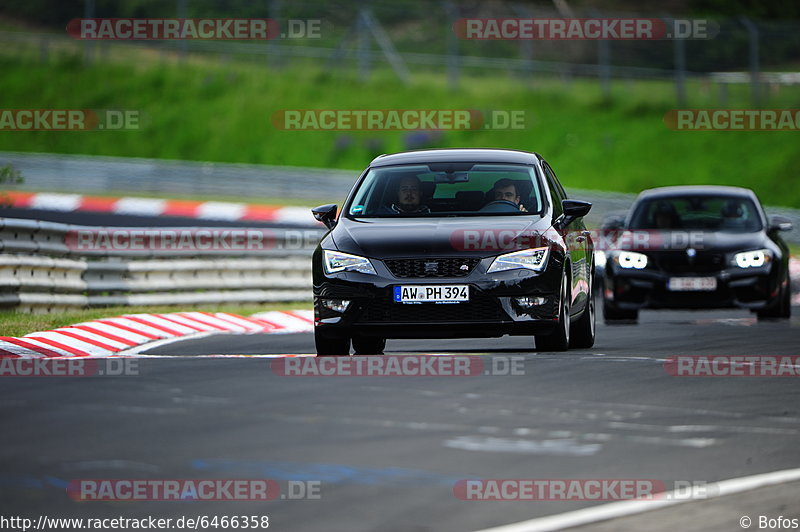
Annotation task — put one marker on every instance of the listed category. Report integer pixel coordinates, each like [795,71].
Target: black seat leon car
[693,247]
[454,243]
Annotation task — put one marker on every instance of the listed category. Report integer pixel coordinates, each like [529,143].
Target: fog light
[529,301]
[336,305]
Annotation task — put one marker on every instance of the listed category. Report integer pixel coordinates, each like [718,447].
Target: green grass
[19,324]
[202,109]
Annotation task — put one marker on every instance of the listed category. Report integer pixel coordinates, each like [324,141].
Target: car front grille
[431,268]
[480,308]
[680,262]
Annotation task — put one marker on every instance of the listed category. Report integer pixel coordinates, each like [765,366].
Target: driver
[408,197]
[505,189]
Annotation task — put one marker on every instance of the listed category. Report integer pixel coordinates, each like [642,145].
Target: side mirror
[326,214]
[573,209]
[780,223]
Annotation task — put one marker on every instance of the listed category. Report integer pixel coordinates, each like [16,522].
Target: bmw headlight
[631,259]
[336,261]
[531,259]
[752,259]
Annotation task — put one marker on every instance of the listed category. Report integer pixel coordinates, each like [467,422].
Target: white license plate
[692,284]
[434,293]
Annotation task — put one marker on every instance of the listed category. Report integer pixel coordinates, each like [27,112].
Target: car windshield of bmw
[447,190]
[729,214]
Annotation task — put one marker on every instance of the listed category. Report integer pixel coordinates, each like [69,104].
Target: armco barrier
[41,272]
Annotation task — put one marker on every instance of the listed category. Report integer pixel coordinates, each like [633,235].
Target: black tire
[781,309]
[612,314]
[581,333]
[331,346]
[368,346]
[558,340]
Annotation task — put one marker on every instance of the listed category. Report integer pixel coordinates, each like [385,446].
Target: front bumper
[492,311]
[630,289]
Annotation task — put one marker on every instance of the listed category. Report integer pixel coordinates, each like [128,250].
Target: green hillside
[203,109]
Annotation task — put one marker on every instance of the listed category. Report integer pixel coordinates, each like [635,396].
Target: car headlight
[531,259]
[752,259]
[631,259]
[336,261]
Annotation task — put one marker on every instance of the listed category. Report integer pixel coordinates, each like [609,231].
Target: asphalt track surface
[387,451]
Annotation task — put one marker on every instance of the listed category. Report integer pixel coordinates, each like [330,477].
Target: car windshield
[448,189]
[706,213]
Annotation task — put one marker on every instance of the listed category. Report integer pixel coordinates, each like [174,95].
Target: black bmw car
[454,243]
[698,247]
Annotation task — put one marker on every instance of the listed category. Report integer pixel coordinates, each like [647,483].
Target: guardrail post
[680,71]
[274,43]
[755,88]
[88,46]
[451,15]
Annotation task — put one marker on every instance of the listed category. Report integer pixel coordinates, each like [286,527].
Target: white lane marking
[44,345]
[110,328]
[140,206]
[56,202]
[618,509]
[560,447]
[281,319]
[79,345]
[300,215]
[701,428]
[19,350]
[696,443]
[136,326]
[218,210]
[92,336]
[213,321]
[137,350]
[155,319]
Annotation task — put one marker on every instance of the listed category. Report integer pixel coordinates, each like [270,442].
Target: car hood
[702,241]
[466,236]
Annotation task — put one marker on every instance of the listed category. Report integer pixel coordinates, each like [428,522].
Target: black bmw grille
[479,309]
[421,268]
[680,262]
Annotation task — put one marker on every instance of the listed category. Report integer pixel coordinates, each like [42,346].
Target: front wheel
[558,340]
[582,331]
[781,309]
[331,346]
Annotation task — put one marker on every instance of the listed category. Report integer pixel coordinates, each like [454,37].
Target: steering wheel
[496,205]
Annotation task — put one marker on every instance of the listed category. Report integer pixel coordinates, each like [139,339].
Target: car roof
[478,155]
[696,190]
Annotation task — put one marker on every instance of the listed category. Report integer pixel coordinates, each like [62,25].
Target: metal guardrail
[98,175]
[42,269]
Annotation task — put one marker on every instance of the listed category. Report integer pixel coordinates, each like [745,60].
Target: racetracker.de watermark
[212,29]
[733,119]
[189,240]
[579,489]
[398,366]
[509,239]
[397,119]
[733,366]
[137,489]
[70,119]
[581,29]
[68,367]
